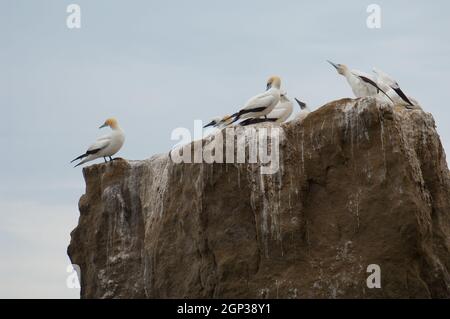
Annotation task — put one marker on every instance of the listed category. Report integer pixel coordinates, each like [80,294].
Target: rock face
[359,183]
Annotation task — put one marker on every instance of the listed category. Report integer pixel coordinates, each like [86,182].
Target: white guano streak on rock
[266,189]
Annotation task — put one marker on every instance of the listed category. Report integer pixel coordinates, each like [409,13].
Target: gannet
[362,84]
[261,104]
[279,114]
[105,146]
[220,122]
[388,83]
[304,111]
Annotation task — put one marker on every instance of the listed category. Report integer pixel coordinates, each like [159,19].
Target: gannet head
[341,68]
[226,120]
[111,122]
[273,81]
[301,104]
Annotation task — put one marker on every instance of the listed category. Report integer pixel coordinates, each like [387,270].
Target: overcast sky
[158,65]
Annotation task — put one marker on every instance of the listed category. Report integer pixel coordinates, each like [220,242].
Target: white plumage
[392,88]
[282,110]
[362,84]
[304,111]
[105,146]
[261,104]
[279,114]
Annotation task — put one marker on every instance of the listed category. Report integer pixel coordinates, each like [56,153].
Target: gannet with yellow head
[279,114]
[261,104]
[105,146]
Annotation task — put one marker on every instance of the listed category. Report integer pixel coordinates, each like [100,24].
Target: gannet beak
[300,103]
[104,125]
[210,124]
[269,85]
[333,64]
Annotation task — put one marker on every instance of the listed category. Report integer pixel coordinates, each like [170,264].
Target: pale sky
[158,65]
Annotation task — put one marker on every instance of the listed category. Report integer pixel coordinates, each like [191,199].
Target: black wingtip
[403,96]
[209,124]
[236,117]
[245,122]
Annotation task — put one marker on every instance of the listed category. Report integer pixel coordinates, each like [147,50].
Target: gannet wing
[386,78]
[367,78]
[251,121]
[276,113]
[100,144]
[258,103]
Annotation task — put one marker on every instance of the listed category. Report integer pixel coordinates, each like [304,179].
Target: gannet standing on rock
[105,146]
[388,83]
[220,122]
[304,111]
[261,104]
[279,114]
[362,84]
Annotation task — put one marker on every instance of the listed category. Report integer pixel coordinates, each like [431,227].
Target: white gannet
[279,114]
[105,146]
[388,83]
[304,111]
[261,104]
[220,122]
[362,84]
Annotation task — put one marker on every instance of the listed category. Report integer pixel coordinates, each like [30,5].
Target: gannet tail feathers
[83,161]
[79,157]
[87,158]
[80,163]
[87,154]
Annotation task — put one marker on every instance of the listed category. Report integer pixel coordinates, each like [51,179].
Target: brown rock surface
[360,183]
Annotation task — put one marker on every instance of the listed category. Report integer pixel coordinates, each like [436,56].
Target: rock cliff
[359,183]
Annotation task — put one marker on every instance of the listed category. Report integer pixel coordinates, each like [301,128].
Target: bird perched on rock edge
[105,146]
